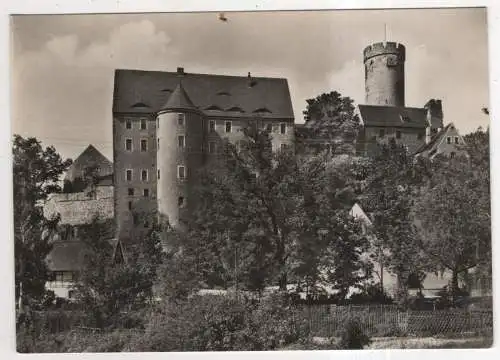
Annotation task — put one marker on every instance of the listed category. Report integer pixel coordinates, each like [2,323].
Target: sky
[63,65]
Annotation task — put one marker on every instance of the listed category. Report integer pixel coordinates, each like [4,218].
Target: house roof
[70,255]
[393,116]
[89,157]
[146,92]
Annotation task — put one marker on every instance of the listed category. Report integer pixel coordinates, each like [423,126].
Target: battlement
[382,48]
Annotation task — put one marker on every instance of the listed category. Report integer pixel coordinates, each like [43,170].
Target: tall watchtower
[385,74]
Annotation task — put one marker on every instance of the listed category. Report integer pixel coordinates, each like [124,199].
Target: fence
[327,321]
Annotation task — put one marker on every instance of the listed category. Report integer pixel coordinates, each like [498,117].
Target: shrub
[353,336]
[220,323]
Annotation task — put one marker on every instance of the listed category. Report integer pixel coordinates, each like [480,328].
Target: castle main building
[166,125]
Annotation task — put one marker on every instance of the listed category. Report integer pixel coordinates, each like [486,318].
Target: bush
[353,336]
[220,323]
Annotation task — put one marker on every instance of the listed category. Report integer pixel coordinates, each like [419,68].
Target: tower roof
[179,100]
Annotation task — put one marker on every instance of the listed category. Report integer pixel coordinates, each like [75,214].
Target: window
[283,128]
[158,146]
[146,224]
[180,119]
[283,147]
[398,134]
[211,126]
[145,192]
[128,174]
[130,191]
[181,141]
[144,145]
[456,139]
[269,128]
[158,122]
[381,133]
[71,294]
[158,174]
[128,124]
[144,175]
[434,131]
[420,136]
[130,205]
[128,144]
[181,172]
[212,147]
[374,138]
[448,139]
[228,126]
[181,202]
[143,124]
[452,154]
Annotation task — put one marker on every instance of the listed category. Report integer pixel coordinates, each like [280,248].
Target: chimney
[180,70]
[251,81]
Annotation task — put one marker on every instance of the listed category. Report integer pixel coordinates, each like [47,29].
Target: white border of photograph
[7,325]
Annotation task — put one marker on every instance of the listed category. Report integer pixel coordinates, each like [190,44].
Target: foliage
[220,323]
[36,173]
[110,285]
[331,117]
[353,336]
[371,294]
[454,217]
[393,185]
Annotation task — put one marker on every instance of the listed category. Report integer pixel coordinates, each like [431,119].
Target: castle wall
[135,160]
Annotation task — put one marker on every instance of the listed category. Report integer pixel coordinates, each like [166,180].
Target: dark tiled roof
[435,140]
[70,255]
[393,116]
[66,256]
[179,100]
[89,157]
[153,89]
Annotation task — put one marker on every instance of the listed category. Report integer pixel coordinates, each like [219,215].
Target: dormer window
[456,140]
[144,124]
[448,140]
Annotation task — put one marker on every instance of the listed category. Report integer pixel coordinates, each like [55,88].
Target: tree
[260,214]
[454,217]
[330,118]
[36,173]
[393,184]
[109,284]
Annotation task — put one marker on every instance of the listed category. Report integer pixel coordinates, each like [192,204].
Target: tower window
[283,128]
[180,119]
[130,191]
[398,134]
[128,175]
[145,192]
[181,141]
[158,174]
[158,122]
[143,124]
[158,146]
[181,172]
[212,147]
[144,175]
[448,140]
[128,124]
[128,144]
[181,201]
[130,205]
[381,133]
[144,145]
[211,126]
[228,126]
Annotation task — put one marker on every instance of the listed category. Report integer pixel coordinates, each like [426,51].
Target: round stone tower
[179,154]
[385,74]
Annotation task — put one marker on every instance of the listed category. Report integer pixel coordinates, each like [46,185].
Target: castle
[166,125]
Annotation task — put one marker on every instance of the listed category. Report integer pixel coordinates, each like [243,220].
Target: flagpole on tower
[385,32]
